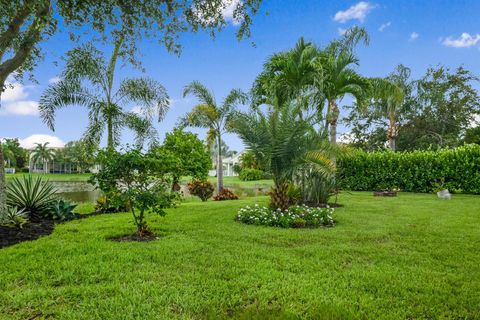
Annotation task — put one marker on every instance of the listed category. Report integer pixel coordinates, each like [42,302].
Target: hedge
[248,174]
[417,171]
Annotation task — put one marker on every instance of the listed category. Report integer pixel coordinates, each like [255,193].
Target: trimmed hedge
[417,171]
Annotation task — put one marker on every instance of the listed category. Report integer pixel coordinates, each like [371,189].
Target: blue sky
[415,33]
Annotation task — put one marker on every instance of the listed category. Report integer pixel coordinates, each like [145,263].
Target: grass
[412,257]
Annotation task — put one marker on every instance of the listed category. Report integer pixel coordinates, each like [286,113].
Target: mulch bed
[134,238]
[30,231]
[385,193]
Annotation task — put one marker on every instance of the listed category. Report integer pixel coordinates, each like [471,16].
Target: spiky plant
[32,194]
[14,218]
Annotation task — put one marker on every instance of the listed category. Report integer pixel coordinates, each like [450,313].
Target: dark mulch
[32,230]
[384,193]
[322,205]
[29,231]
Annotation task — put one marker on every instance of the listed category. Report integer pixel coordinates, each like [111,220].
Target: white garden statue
[444,194]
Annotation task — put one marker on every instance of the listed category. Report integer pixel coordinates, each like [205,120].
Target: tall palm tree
[284,143]
[340,78]
[208,114]
[88,81]
[42,153]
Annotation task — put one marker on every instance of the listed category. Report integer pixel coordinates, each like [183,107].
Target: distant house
[228,165]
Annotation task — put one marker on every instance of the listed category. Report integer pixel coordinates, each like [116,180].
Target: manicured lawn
[411,257]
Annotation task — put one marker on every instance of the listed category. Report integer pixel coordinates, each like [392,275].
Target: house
[228,165]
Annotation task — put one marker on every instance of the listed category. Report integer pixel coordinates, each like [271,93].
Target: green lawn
[410,257]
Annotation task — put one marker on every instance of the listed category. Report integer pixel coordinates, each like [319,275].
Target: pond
[85,192]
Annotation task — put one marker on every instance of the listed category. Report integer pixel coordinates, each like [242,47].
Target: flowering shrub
[293,217]
[225,194]
[201,189]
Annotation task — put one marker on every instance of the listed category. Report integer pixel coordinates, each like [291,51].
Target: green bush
[417,171]
[248,174]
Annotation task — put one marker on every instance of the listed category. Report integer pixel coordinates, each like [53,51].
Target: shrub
[14,218]
[248,174]
[293,217]
[225,194]
[111,204]
[138,179]
[202,189]
[63,210]
[415,171]
[34,195]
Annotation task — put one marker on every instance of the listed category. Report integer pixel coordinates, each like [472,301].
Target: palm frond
[201,92]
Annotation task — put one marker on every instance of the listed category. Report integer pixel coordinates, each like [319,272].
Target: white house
[228,164]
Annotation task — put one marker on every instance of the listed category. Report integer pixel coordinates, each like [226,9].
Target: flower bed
[294,217]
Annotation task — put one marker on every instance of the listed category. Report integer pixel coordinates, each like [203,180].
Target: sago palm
[88,81]
[212,116]
[284,143]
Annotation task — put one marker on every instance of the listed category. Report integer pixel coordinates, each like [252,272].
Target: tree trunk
[333,119]
[3,193]
[279,196]
[219,164]
[392,134]
[109,133]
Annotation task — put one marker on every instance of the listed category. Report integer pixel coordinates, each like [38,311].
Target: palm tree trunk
[219,164]
[109,133]
[3,193]
[333,120]
[392,134]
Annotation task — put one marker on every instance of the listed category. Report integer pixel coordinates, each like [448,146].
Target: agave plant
[32,194]
[14,218]
[63,210]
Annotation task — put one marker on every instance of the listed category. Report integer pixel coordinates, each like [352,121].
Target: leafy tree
[249,161]
[43,153]
[19,154]
[447,105]
[137,179]
[208,114]
[8,154]
[187,154]
[472,135]
[88,81]
[26,24]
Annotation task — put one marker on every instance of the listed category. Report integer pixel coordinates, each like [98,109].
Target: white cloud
[414,36]
[229,8]
[342,31]
[227,11]
[384,26]
[29,142]
[465,41]
[358,11]
[20,108]
[14,101]
[137,110]
[14,91]
[54,80]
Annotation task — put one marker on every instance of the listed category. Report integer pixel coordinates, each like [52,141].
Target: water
[85,192]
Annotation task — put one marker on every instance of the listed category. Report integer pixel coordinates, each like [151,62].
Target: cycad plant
[284,143]
[88,81]
[212,116]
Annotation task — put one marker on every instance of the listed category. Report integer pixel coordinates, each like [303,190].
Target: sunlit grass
[410,257]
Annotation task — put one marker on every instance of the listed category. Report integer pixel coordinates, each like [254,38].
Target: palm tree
[88,81]
[42,153]
[339,77]
[284,143]
[208,114]
[8,154]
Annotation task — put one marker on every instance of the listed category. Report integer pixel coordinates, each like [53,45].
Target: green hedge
[416,171]
[248,174]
